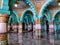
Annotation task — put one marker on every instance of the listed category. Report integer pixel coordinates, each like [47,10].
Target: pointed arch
[14,18]
[44,7]
[56,20]
[26,16]
[31,8]
[34,17]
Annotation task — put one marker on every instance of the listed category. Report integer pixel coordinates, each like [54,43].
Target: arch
[47,14]
[56,20]
[17,16]
[55,13]
[44,7]
[32,8]
[29,2]
[14,18]
[34,17]
[26,15]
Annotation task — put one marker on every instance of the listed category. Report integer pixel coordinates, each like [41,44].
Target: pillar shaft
[14,27]
[51,27]
[20,33]
[9,26]
[20,27]
[3,23]
[38,27]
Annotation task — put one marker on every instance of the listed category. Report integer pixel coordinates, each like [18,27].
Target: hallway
[30,38]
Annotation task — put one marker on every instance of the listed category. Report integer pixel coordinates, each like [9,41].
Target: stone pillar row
[16,27]
[36,27]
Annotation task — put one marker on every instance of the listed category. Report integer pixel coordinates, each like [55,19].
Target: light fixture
[15,5]
[58,4]
[19,4]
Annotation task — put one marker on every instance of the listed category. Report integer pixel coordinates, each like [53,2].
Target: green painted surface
[57,19]
[5,7]
[14,18]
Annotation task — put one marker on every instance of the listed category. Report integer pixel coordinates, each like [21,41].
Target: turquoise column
[4,7]
[4,15]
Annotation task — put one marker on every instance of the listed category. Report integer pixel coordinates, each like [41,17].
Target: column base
[3,39]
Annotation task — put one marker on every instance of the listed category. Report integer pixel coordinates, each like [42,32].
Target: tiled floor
[31,39]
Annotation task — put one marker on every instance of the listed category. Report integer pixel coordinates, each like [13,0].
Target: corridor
[30,38]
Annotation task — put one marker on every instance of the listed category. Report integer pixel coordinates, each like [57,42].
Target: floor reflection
[29,38]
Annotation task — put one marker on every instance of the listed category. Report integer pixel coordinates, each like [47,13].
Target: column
[20,27]
[38,28]
[15,27]
[9,27]
[3,39]
[29,27]
[51,27]
[3,22]
[20,33]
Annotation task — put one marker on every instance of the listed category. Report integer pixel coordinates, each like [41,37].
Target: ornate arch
[44,7]
[55,13]
[14,16]
[24,14]
[32,9]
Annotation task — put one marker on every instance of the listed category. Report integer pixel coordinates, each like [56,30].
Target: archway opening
[44,25]
[27,23]
[57,22]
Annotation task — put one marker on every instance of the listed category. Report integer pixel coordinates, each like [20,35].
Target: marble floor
[30,38]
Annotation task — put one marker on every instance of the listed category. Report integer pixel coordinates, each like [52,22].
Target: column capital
[38,21]
[19,23]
